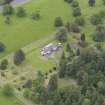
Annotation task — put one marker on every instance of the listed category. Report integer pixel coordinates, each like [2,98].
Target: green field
[23,31]
[8,100]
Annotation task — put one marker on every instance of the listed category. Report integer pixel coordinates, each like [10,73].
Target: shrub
[83,37]
[46,74]
[75,28]
[7,10]
[50,71]
[27,93]
[91,3]
[99,46]
[3,74]
[8,90]
[54,68]
[96,19]
[58,22]
[100,27]
[102,13]
[80,21]
[78,52]
[53,83]
[104,2]
[68,26]
[68,1]
[19,57]
[76,11]
[35,16]
[7,19]
[75,4]
[99,34]
[4,64]
[2,47]
[61,35]
[21,12]
[28,84]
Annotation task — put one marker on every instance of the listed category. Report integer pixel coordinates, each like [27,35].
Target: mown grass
[23,31]
[65,11]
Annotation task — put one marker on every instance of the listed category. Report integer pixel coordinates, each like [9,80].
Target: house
[49,49]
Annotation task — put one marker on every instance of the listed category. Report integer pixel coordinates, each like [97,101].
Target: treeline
[86,68]
[85,65]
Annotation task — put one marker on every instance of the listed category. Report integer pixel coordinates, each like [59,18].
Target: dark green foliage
[96,19]
[99,34]
[68,48]
[36,16]
[80,21]
[19,57]
[75,3]
[7,20]
[62,66]
[68,1]
[61,35]
[102,13]
[4,64]
[85,66]
[2,47]
[21,12]
[28,84]
[91,2]
[75,28]
[78,52]
[83,37]
[88,71]
[99,46]
[103,2]
[82,78]
[8,90]
[7,10]
[58,22]
[69,51]
[68,26]
[53,83]
[76,11]
[87,55]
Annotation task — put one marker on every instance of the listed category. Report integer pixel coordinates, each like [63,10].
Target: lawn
[34,57]
[23,31]
[8,100]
